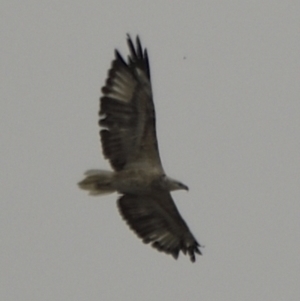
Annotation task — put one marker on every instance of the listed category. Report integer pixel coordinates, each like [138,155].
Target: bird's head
[173,184]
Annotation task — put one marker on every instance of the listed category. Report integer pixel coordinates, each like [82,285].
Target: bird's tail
[97,182]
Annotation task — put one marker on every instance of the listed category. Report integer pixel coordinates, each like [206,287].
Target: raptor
[129,142]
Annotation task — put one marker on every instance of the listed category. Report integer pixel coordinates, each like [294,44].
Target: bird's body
[133,181]
[128,136]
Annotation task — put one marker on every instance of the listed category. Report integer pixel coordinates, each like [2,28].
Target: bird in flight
[129,142]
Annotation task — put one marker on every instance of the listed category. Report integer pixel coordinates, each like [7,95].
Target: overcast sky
[225,76]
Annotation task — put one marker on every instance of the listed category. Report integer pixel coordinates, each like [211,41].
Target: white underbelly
[134,182]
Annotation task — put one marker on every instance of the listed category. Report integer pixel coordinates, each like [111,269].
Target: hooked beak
[184,187]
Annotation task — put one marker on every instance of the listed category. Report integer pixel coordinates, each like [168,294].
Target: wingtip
[198,251]
[128,37]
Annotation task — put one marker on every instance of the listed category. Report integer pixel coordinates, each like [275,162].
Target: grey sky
[225,76]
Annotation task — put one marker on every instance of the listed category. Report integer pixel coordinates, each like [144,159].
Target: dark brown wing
[127,115]
[156,220]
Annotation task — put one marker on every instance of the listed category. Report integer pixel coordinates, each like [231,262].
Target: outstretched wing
[156,220]
[127,115]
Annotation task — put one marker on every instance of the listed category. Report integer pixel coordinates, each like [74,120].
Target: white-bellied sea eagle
[128,137]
